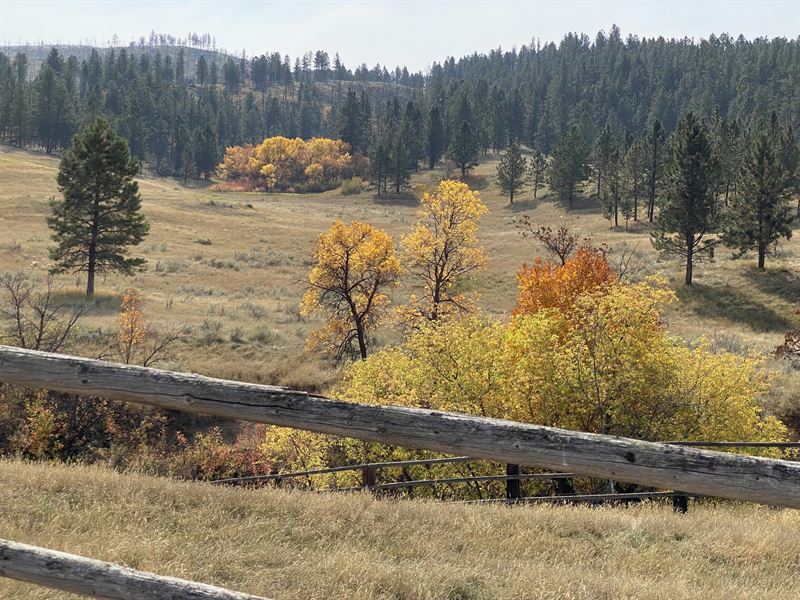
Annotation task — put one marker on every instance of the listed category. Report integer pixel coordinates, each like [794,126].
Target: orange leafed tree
[546,285]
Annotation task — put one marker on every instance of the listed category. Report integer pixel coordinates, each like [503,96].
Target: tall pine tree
[100,215]
[512,172]
[760,214]
[687,216]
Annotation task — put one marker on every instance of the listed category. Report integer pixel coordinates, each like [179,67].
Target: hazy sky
[413,32]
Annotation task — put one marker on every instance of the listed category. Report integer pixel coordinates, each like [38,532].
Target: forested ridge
[180,107]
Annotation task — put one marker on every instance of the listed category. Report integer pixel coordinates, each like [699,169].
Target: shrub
[283,164]
[354,185]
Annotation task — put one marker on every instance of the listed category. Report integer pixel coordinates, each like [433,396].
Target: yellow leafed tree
[354,265]
[280,163]
[442,249]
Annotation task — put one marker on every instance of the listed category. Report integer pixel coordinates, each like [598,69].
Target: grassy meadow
[231,267]
[298,545]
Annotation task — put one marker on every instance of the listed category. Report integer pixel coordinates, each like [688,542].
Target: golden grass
[303,545]
[232,266]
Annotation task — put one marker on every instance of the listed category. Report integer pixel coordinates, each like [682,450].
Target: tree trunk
[689,259]
[362,342]
[762,254]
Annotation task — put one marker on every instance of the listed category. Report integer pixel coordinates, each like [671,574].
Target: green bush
[354,185]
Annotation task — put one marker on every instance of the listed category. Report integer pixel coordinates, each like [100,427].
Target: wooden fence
[565,492]
[98,579]
[689,470]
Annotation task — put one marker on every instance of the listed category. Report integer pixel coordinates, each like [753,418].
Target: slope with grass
[232,266]
[303,545]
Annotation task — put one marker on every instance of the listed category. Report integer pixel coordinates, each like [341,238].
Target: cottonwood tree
[354,266]
[568,166]
[538,169]
[100,216]
[760,214]
[442,249]
[512,172]
[687,215]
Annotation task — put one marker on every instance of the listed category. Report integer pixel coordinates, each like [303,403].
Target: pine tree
[568,166]
[688,195]
[516,117]
[436,139]
[760,214]
[538,171]
[602,152]
[205,151]
[616,189]
[351,123]
[789,154]
[654,142]
[400,163]
[725,146]
[202,70]
[634,165]
[512,172]
[100,214]
[464,145]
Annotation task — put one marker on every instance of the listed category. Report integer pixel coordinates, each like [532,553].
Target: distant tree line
[179,115]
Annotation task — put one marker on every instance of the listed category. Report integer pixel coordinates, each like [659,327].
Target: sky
[412,32]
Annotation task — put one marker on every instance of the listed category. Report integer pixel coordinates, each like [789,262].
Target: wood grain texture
[98,579]
[691,470]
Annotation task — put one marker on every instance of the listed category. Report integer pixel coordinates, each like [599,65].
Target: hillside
[232,266]
[295,545]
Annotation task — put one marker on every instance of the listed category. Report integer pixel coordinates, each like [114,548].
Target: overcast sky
[413,32]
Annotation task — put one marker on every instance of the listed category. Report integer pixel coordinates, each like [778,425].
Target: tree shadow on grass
[727,302]
[101,303]
[782,283]
[401,199]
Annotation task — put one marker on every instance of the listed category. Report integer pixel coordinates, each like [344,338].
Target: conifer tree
[436,138]
[760,214]
[687,215]
[634,165]
[205,151]
[464,146]
[512,172]
[538,171]
[602,152]
[100,215]
[568,166]
[654,142]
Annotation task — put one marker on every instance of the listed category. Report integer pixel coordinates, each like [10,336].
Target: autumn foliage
[442,249]
[547,285]
[284,164]
[354,266]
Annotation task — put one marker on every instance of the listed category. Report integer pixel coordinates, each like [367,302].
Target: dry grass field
[300,545]
[231,266]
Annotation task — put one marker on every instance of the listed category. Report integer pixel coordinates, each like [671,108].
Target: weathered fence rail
[99,579]
[693,471]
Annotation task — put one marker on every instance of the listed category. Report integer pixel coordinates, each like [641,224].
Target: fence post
[680,504]
[513,488]
[564,486]
[368,477]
